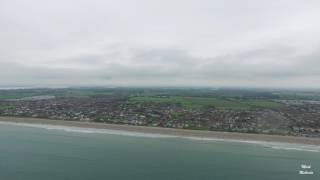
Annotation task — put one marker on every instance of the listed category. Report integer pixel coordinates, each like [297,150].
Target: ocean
[46,152]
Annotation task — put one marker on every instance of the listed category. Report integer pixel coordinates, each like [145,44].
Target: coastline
[169,131]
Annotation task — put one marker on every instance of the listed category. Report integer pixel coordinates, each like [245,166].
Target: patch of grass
[6,107]
[262,103]
[201,102]
[75,93]
[9,96]
[18,94]
[78,93]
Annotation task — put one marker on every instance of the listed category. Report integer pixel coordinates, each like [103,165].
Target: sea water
[44,152]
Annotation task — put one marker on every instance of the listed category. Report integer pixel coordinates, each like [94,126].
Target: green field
[64,93]
[82,93]
[7,97]
[200,102]
[6,107]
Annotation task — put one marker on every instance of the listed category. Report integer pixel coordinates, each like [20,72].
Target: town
[246,111]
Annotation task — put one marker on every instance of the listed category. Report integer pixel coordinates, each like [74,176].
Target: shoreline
[168,131]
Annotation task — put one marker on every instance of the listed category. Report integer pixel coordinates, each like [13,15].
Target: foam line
[272,145]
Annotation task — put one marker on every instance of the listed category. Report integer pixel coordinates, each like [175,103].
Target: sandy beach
[169,131]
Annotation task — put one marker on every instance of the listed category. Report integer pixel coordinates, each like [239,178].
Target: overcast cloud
[256,43]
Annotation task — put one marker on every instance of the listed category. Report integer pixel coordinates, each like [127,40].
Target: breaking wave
[90,130]
[272,145]
[298,148]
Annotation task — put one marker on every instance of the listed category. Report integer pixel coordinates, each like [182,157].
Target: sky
[218,43]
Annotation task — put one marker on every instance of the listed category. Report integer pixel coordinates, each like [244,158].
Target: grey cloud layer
[205,43]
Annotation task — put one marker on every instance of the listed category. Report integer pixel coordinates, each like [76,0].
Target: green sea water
[33,153]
